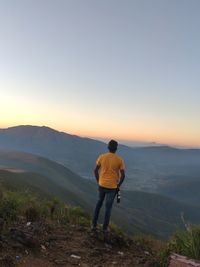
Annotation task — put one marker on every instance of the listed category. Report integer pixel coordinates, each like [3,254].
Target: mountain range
[53,163]
[138,212]
[150,169]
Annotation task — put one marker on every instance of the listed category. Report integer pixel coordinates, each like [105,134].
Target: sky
[123,69]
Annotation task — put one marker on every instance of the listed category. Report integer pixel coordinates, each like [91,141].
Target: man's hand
[96,172]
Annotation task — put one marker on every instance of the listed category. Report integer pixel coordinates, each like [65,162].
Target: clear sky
[127,69]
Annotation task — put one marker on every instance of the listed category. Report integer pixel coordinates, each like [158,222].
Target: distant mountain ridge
[148,168]
[58,146]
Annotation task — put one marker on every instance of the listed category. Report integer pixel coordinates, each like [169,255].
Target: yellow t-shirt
[110,165]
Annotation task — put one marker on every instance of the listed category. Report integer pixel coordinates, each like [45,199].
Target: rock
[120,253]
[75,256]
[83,265]
[60,262]
[108,246]
[43,247]
[142,261]
[7,261]
[182,261]
[1,224]
[16,245]
[24,238]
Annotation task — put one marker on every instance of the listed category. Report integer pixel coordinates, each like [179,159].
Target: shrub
[74,215]
[53,205]
[32,214]
[8,209]
[185,242]
[14,205]
[115,229]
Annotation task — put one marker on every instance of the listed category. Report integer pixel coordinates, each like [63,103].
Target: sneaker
[93,228]
[106,236]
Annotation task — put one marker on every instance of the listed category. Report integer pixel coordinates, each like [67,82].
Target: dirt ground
[46,245]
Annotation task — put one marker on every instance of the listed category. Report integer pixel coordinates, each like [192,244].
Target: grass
[184,242]
[18,205]
[15,205]
[25,206]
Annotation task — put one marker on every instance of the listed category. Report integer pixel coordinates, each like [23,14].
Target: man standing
[110,174]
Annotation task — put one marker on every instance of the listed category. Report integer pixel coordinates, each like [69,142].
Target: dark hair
[112,146]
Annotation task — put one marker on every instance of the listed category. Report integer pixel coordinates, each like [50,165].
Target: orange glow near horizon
[172,138]
[70,120]
[147,139]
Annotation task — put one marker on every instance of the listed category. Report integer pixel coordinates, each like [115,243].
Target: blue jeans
[110,196]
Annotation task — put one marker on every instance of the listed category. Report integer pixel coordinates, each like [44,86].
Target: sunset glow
[102,70]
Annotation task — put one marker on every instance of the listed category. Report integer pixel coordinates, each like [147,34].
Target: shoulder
[102,155]
[121,162]
[119,158]
[100,158]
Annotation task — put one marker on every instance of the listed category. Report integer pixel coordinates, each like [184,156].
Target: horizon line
[126,142]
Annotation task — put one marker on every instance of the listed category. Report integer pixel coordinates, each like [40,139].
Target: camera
[118,196]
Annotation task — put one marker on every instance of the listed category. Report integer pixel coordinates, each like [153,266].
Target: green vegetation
[45,180]
[139,212]
[184,242]
[18,205]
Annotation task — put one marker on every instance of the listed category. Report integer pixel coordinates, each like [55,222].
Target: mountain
[149,169]
[72,151]
[50,173]
[21,180]
[181,188]
[138,211]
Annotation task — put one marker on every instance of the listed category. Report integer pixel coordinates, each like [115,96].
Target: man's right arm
[96,172]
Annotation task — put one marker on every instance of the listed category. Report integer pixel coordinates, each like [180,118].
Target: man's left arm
[122,173]
[122,177]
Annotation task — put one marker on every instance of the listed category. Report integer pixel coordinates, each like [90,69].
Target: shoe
[93,229]
[106,236]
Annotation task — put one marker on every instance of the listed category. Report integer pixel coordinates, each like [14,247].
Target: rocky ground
[42,244]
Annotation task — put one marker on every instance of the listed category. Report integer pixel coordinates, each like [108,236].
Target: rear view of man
[110,174]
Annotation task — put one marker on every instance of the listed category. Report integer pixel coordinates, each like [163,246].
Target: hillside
[52,172]
[148,169]
[40,185]
[31,235]
[57,146]
[155,214]
[138,211]
[181,188]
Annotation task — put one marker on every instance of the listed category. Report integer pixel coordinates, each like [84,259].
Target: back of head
[112,146]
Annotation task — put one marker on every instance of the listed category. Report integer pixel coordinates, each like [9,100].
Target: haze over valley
[159,186]
[148,168]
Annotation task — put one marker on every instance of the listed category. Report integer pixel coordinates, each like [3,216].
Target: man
[110,174]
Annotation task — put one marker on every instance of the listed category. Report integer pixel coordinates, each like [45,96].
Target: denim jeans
[109,194]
